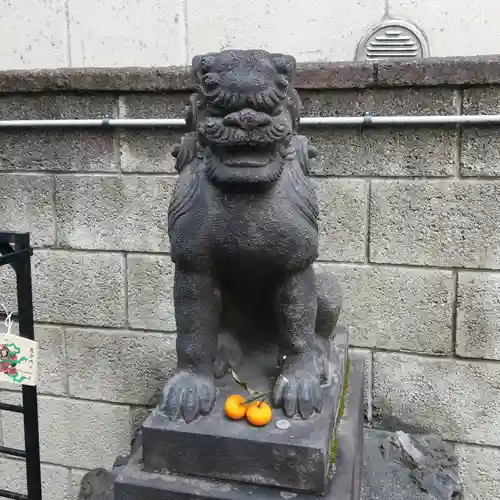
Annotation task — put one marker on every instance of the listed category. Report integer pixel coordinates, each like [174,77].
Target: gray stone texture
[480,146]
[76,477]
[437,223]
[26,205]
[134,482]
[439,71]
[118,366]
[457,399]
[429,72]
[366,355]
[397,308]
[480,471]
[56,483]
[343,219]
[382,151]
[82,434]
[478,315]
[113,212]
[79,288]
[7,290]
[58,149]
[381,102]
[73,287]
[295,458]
[150,150]
[150,292]
[52,369]
[384,479]
[97,484]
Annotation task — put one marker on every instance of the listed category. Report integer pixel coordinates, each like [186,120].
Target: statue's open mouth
[249,156]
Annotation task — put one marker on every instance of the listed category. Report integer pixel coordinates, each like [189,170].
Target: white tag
[18,360]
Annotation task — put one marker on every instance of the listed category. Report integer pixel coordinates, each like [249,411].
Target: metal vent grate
[392,40]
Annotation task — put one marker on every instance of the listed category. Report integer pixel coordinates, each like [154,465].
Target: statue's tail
[305,152]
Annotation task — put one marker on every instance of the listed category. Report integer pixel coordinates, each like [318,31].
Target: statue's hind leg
[329,308]
[329,302]
[298,388]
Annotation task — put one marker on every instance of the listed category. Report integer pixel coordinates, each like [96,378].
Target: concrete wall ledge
[432,72]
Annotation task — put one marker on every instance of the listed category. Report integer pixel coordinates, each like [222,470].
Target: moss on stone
[334,444]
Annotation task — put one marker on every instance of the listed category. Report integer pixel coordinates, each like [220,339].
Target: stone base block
[216,447]
[134,483]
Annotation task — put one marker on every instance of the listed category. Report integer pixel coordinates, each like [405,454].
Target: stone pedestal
[215,458]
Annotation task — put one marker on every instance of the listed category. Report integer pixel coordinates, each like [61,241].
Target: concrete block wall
[410,224]
[93,33]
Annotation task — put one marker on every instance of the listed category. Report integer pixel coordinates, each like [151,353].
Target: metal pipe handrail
[340,121]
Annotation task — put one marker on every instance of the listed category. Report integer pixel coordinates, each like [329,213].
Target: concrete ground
[385,480]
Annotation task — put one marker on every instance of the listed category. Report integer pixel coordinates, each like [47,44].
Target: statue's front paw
[299,390]
[188,395]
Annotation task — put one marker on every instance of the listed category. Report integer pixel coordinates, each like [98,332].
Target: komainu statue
[243,227]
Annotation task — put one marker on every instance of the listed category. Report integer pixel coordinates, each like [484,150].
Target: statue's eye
[205,64]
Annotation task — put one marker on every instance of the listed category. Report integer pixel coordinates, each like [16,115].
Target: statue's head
[246,113]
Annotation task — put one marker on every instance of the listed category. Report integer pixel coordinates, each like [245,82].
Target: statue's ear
[284,64]
[201,65]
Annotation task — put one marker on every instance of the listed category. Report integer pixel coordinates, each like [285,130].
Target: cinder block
[379,102]
[55,479]
[83,434]
[480,472]
[457,399]
[57,106]
[39,43]
[113,212]
[480,147]
[79,288]
[73,287]
[26,205]
[52,369]
[53,149]
[322,34]
[143,33]
[150,150]
[387,151]
[154,105]
[478,315]
[7,290]
[117,366]
[396,308]
[439,223]
[150,292]
[450,30]
[64,150]
[343,206]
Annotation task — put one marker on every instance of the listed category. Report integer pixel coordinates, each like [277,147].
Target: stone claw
[298,390]
[188,395]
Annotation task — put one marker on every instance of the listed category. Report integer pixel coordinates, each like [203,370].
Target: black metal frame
[15,249]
